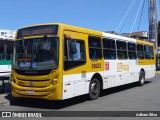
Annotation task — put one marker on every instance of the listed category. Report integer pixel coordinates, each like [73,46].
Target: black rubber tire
[141,81]
[94,89]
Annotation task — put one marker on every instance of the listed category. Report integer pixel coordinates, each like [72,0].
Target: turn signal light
[54,82]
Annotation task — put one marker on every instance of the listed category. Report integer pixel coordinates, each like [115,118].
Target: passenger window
[109,50]
[140,51]
[132,51]
[95,47]
[1,48]
[147,52]
[6,49]
[74,53]
[152,52]
[121,50]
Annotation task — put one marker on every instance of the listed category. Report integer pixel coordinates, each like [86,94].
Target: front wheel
[94,89]
[141,79]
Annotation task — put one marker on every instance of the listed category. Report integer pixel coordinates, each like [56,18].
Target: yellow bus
[56,61]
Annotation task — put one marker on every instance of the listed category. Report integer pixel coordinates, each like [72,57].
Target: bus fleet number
[96,65]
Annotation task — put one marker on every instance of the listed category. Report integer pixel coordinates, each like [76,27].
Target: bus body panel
[76,80]
[117,77]
[5,70]
[5,67]
[6,47]
[36,86]
[114,75]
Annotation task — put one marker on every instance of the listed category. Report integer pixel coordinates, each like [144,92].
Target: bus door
[74,73]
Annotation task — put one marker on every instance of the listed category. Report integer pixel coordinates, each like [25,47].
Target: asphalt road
[124,98]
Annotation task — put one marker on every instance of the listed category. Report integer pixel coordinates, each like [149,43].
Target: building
[137,35]
[7,34]
[112,32]
[143,35]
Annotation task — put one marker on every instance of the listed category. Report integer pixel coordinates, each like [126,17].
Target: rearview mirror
[71,43]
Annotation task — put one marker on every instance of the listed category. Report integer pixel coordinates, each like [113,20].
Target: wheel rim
[94,88]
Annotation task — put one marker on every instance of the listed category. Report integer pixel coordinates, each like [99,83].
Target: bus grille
[33,72]
[33,83]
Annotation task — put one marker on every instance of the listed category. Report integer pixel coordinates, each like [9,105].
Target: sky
[101,15]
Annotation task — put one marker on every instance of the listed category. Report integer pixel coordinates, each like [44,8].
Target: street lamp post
[152,15]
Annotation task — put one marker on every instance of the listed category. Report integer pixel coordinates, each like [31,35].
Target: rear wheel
[141,79]
[94,89]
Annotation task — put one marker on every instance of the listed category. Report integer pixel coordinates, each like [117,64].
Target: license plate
[31,92]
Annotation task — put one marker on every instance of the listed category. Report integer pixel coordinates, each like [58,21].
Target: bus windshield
[36,54]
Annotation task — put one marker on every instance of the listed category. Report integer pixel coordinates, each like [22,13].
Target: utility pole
[152,16]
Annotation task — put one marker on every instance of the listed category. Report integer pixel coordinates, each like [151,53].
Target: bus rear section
[6,48]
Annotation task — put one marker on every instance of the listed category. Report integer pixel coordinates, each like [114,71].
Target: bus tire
[141,79]
[94,89]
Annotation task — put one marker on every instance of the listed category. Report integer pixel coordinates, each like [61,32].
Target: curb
[6,96]
[4,104]
[3,100]
[157,72]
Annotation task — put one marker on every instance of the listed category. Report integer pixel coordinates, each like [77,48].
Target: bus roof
[85,30]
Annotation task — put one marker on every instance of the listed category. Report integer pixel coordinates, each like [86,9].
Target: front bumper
[52,92]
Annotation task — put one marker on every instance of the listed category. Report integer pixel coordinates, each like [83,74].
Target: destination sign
[37,30]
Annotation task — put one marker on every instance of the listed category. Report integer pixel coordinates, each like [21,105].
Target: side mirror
[71,43]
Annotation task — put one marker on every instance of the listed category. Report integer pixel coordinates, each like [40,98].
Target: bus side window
[74,53]
[132,50]
[122,50]
[140,51]
[1,51]
[6,48]
[95,47]
[147,52]
[109,49]
[152,52]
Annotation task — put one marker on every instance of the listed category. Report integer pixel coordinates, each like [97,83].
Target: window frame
[109,49]
[147,52]
[66,44]
[122,50]
[132,51]
[141,52]
[152,52]
[97,48]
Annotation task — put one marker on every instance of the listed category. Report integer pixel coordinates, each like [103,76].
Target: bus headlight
[54,81]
